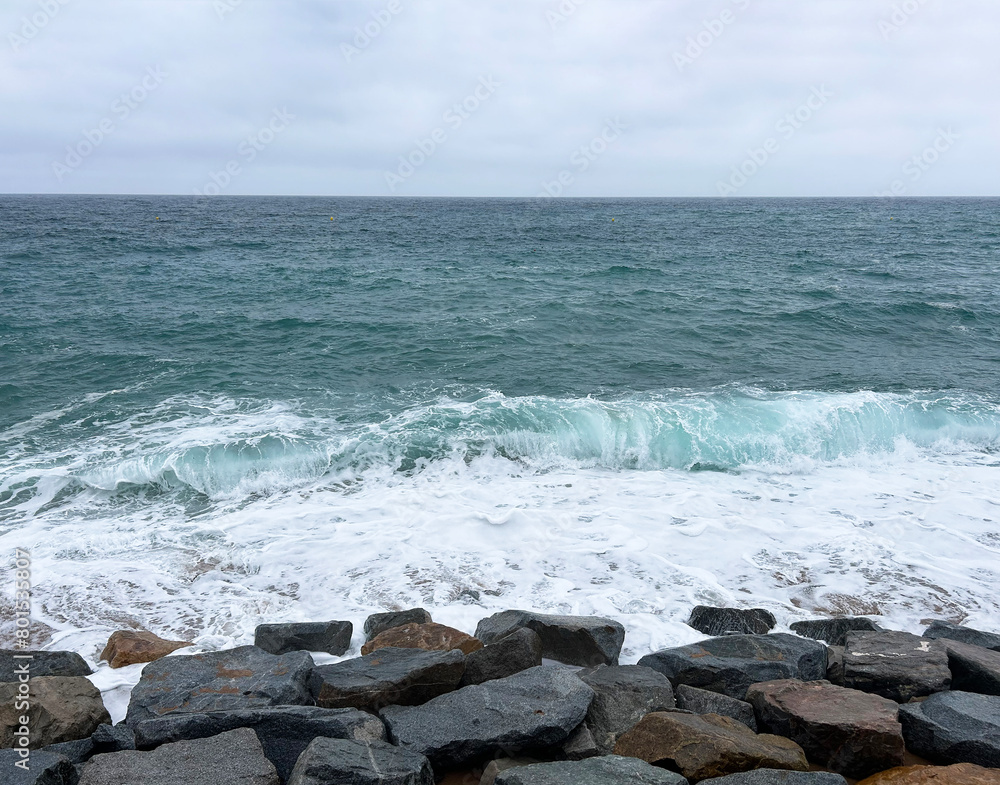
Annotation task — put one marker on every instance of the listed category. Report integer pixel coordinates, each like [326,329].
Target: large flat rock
[530,711]
[331,637]
[834,631]
[955,632]
[957,774]
[63,708]
[429,637]
[895,665]
[379,622]
[44,768]
[954,727]
[623,695]
[41,663]
[575,640]
[231,680]
[853,733]
[233,758]
[730,664]
[778,777]
[704,746]
[388,677]
[517,652]
[706,702]
[346,762]
[607,770]
[973,668]
[731,621]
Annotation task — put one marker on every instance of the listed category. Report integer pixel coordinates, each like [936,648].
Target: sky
[513,98]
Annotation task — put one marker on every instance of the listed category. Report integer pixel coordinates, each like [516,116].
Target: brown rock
[429,637]
[127,647]
[63,708]
[853,733]
[707,745]
[959,774]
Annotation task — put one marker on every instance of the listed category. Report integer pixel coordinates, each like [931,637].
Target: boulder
[623,695]
[973,668]
[230,680]
[574,640]
[608,770]
[77,752]
[778,777]
[834,631]
[731,621]
[581,744]
[429,637]
[44,768]
[853,733]
[895,665]
[330,637]
[41,663]
[380,622]
[284,731]
[730,664]
[112,738]
[401,677]
[348,762]
[530,711]
[128,647]
[709,745]
[958,774]
[495,766]
[517,652]
[63,708]
[954,727]
[705,702]
[835,664]
[955,632]
[233,758]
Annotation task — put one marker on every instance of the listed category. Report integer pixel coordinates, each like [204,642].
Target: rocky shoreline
[529,699]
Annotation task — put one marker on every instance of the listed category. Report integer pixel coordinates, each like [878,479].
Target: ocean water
[218,412]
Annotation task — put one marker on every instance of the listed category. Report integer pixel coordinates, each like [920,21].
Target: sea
[218,412]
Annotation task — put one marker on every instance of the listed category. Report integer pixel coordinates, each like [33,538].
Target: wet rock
[574,640]
[380,622]
[623,695]
[954,727]
[731,621]
[42,663]
[853,733]
[607,770]
[895,665]
[429,637]
[527,712]
[284,731]
[703,746]
[973,668]
[233,758]
[730,664]
[44,768]
[958,774]
[778,777]
[705,702]
[520,650]
[955,632]
[400,677]
[348,762]
[113,738]
[834,631]
[127,647]
[331,637]
[63,708]
[230,680]
[835,665]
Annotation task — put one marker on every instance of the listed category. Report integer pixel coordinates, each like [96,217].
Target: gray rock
[517,652]
[731,621]
[495,766]
[63,708]
[895,665]
[346,762]
[113,738]
[44,768]
[954,727]
[387,677]
[530,711]
[623,695]
[574,640]
[380,622]
[778,777]
[607,770]
[581,744]
[42,663]
[835,665]
[834,631]
[284,731]
[78,751]
[233,758]
[332,637]
[955,632]
[231,680]
[973,668]
[730,664]
[705,702]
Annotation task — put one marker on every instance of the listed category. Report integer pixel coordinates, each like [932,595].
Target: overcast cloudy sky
[501,97]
